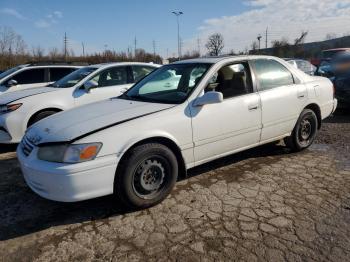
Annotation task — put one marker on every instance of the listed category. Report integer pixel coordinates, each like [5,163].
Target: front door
[234,124]
[112,82]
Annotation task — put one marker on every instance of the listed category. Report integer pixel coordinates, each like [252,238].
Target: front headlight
[69,153]
[9,108]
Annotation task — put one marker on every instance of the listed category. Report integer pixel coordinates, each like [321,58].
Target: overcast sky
[114,24]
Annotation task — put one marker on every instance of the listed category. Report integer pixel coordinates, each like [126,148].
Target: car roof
[214,60]
[106,65]
[338,49]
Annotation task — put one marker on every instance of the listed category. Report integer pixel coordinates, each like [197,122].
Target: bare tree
[215,44]
[11,42]
[54,53]
[38,52]
[254,47]
[330,36]
[301,38]
[281,48]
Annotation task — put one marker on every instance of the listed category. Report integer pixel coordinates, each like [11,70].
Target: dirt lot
[264,204]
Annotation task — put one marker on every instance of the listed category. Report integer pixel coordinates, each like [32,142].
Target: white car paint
[8,89]
[201,133]
[14,124]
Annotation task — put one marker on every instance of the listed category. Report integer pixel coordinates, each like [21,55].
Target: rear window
[271,74]
[58,73]
[30,76]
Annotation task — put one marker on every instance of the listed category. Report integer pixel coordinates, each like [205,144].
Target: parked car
[342,90]
[138,144]
[21,109]
[302,65]
[325,69]
[33,75]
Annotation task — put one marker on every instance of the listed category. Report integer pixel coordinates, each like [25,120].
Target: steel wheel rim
[306,131]
[149,177]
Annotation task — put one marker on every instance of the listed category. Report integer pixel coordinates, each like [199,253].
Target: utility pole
[199,46]
[177,14]
[154,48]
[82,44]
[65,41]
[259,39]
[135,46]
[266,38]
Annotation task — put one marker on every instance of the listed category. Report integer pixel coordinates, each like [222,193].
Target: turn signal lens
[77,153]
[88,152]
[9,108]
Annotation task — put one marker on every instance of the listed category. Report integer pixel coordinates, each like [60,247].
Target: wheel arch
[55,109]
[172,145]
[314,107]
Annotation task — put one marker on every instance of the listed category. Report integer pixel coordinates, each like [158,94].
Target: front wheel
[146,175]
[304,132]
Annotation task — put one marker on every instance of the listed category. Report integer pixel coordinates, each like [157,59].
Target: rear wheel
[304,132]
[41,116]
[146,175]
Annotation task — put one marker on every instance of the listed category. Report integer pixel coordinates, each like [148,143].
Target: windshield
[9,72]
[73,78]
[170,84]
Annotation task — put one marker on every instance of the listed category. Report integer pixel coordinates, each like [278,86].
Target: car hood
[79,122]
[10,97]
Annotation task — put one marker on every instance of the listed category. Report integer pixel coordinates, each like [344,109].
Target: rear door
[282,98]
[112,82]
[29,78]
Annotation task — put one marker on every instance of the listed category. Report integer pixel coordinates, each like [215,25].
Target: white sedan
[21,109]
[137,145]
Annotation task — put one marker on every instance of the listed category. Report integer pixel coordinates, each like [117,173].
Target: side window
[271,74]
[112,77]
[30,76]
[140,72]
[232,80]
[58,73]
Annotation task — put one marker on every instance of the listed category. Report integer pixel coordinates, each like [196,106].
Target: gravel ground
[265,204]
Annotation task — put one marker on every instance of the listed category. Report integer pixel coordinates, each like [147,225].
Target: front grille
[27,146]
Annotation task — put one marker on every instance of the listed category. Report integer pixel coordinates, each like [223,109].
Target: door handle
[253,107]
[301,95]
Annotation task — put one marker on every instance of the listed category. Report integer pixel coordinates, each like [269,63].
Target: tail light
[333,90]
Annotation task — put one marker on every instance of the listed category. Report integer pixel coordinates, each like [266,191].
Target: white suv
[33,75]
[21,109]
[138,144]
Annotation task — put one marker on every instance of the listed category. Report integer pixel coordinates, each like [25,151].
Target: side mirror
[211,97]
[12,82]
[91,84]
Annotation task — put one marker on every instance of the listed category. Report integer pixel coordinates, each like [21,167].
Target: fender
[38,109]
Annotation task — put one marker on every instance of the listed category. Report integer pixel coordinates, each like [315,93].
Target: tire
[304,132]
[41,116]
[146,176]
